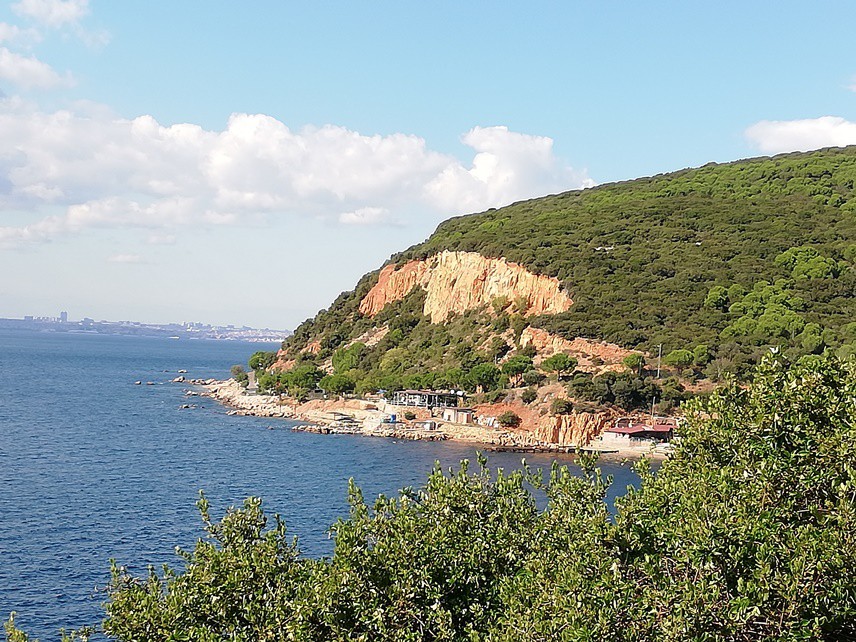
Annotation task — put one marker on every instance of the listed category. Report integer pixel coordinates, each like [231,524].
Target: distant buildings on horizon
[188,329]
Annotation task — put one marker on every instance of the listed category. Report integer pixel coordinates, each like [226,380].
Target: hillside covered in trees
[716,264]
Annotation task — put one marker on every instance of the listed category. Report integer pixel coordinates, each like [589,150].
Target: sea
[94,467]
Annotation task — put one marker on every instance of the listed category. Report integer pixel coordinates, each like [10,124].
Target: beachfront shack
[425,398]
[458,415]
[628,431]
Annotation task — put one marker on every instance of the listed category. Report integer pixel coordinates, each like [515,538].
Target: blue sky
[245,162]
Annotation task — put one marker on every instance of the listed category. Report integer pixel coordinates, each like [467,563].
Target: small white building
[459,415]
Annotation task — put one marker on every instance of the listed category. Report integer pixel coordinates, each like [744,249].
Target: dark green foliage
[484,376]
[498,349]
[634,362]
[495,396]
[345,359]
[261,360]
[560,363]
[631,392]
[626,390]
[508,419]
[529,395]
[515,367]
[532,378]
[303,378]
[584,387]
[561,406]
[337,384]
[240,375]
[679,358]
[747,532]
[672,393]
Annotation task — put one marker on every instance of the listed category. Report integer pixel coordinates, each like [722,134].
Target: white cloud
[125,258]
[161,239]
[104,171]
[365,216]
[52,13]
[507,167]
[29,72]
[14,34]
[41,231]
[65,15]
[775,136]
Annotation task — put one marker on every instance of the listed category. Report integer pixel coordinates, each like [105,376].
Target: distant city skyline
[174,330]
[64,317]
[246,163]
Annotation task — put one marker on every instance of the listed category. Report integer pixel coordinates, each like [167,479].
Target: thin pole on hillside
[659,356]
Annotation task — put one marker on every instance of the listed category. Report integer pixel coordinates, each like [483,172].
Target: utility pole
[659,357]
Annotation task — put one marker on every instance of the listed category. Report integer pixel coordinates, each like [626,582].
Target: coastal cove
[354,416]
[94,467]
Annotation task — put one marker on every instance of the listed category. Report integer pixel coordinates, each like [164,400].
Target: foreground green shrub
[748,532]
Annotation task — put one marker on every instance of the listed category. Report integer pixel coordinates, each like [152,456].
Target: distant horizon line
[183,324]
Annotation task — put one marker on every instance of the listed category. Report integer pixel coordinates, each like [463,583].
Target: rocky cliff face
[593,356]
[574,430]
[459,281]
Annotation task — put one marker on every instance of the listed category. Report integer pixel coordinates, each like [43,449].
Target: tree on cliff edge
[560,363]
[515,367]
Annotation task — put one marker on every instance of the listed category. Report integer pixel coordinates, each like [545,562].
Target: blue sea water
[93,467]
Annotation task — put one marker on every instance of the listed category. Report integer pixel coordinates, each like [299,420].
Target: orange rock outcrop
[282,363]
[459,281]
[576,430]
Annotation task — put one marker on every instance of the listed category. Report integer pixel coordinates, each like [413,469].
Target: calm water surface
[93,467]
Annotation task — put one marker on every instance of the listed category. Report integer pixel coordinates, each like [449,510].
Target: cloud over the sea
[73,171]
[776,136]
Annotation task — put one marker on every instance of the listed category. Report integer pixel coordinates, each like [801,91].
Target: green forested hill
[736,257]
[673,237]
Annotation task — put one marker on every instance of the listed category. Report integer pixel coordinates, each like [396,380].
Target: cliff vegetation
[717,265]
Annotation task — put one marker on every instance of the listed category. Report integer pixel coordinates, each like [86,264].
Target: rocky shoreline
[353,417]
[359,417]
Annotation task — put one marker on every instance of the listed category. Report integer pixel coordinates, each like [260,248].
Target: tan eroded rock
[371,337]
[282,363]
[459,281]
